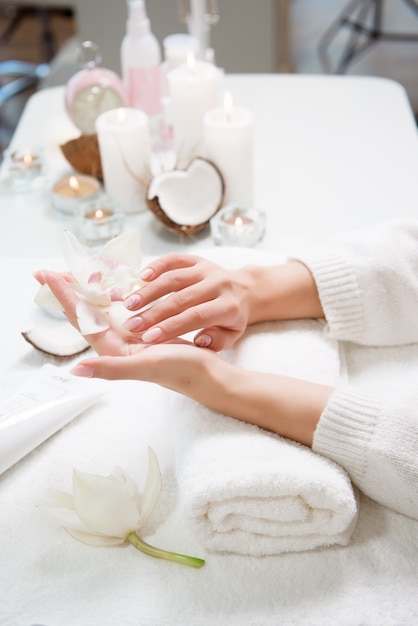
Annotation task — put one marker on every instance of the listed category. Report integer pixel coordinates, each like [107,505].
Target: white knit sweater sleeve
[375,439]
[368,284]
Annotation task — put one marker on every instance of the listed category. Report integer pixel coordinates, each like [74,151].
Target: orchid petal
[75,255]
[91,319]
[152,487]
[105,505]
[117,316]
[94,540]
[125,249]
[46,299]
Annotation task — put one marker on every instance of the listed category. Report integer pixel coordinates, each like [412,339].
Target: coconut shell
[83,154]
[183,229]
[178,229]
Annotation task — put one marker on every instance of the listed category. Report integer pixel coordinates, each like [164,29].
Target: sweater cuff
[345,429]
[339,293]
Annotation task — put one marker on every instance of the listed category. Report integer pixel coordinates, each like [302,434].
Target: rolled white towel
[248,491]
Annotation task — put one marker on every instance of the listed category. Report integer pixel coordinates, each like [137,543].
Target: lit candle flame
[98,214]
[27,159]
[191,62]
[74,184]
[121,115]
[228,105]
[238,221]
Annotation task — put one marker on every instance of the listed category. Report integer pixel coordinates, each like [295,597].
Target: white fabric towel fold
[248,491]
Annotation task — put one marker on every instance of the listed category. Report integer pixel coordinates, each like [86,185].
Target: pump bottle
[141,60]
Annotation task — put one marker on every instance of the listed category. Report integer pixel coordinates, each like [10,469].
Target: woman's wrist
[287,406]
[285,291]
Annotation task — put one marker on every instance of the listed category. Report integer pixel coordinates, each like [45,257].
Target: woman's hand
[173,365]
[201,296]
[218,303]
[287,406]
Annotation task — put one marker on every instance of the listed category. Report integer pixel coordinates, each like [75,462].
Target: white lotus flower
[107,511]
[100,281]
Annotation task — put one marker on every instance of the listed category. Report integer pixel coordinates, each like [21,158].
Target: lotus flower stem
[137,542]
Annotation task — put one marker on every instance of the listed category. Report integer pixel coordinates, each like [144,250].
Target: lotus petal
[152,488]
[94,540]
[105,505]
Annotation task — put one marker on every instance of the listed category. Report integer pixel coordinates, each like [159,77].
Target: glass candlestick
[99,221]
[238,226]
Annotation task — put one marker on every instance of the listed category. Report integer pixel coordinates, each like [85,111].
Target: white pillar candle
[228,138]
[193,90]
[125,152]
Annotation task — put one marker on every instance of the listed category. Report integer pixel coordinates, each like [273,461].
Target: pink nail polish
[134,324]
[83,370]
[203,341]
[151,335]
[146,273]
[133,301]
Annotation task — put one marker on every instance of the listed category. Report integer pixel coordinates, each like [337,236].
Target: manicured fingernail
[133,301]
[203,341]
[134,323]
[146,273]
[83,370]
[151,335]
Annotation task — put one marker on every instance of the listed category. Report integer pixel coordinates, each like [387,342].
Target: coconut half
[62,342]
[185,200]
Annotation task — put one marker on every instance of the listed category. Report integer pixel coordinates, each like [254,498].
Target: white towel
[248,491]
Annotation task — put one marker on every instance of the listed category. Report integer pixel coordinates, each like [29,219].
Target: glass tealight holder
[25,168]
[235,225]
[99,221]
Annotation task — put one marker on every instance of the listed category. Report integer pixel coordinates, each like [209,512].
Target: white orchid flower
[108,510]
[100,281]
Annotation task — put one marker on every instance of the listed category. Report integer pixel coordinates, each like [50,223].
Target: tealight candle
[236,226]
[25,167]
[69,193]
[193,89]
[228,140]
[99,221]
[125,152]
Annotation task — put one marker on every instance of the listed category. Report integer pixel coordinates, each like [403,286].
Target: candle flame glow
[98,214]
[191,61]
[27,158]
[238,221]
[74,184]
[121,115]
[228,105]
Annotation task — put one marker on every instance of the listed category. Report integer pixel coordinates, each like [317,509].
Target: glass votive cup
[238,226]
[25,168]
[99,221]
[70,193]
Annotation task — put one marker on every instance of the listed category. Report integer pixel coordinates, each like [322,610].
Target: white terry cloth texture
[49,578]
[247,491]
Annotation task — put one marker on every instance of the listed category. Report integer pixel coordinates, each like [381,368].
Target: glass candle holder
[238,226]
[99,221]
[25,168]
[71,192]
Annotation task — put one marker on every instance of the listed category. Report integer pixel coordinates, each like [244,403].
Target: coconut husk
[178,229]
[84,155]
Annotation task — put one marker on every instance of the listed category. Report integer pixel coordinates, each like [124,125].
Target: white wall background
[246,38]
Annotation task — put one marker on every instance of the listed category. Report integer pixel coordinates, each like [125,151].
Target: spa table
[331,154]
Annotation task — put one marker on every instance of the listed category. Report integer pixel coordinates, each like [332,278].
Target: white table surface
[331,154]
